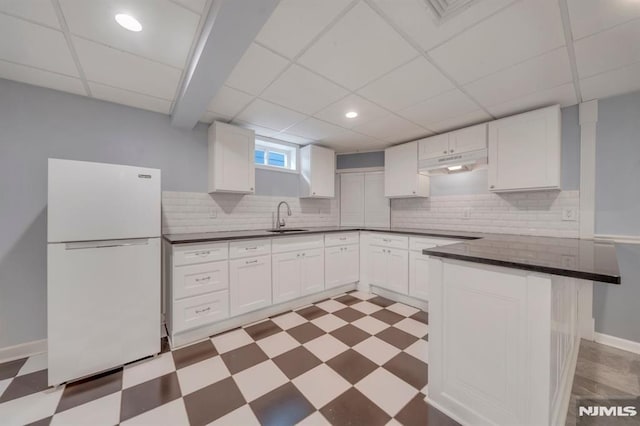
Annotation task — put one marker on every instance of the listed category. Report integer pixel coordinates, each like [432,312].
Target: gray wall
[359,160]
[277,184]
[618,211]
[37,123]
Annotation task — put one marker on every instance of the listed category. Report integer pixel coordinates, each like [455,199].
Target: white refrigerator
[103,267]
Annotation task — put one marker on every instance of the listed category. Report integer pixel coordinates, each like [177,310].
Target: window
[275,154]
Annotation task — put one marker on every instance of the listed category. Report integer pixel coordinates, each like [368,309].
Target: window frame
[291,152]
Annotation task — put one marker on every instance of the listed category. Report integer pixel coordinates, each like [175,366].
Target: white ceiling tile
[196,6]
[30,44]
[37,77]
[287,137]
[315,129]
[542,72]
[590,16]
[35,10]
[210,117]
[621,80]
[366,110]
[116,68]
[564,95]
[229,102]
[392,128]
[303,91]
[407,85]
[125,97]
[167,29]
[350,141]
[295,23]
[439,108]
[269,115]
[260,130]
[521,31]
[419,23]
[358,49]
[609,49]
[256,69]
[464,120]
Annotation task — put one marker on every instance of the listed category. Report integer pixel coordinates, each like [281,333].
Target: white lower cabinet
[195,311]
[250,284]
[388,268]
[341,265]
[312,271]
[418,275]
[297,274]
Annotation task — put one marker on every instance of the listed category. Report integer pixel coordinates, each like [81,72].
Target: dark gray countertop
[584,259]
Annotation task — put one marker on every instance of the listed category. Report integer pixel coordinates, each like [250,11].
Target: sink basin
[285,230]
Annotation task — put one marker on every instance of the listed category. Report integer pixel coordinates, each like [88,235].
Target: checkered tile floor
[357,359]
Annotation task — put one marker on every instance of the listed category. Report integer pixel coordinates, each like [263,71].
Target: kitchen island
[504,325]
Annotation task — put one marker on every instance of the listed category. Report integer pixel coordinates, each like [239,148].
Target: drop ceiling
[406,72]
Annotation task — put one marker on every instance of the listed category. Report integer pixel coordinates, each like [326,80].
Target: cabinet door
[418,275]
[231,158]
[312,271]
[433,147]
[351,264]
[398,275]
[376,206]
[524,151]
[352,199]
[286,276]
[333,267]
[249,284]
[323,172]
[400,170]
[469,139]
[378,265]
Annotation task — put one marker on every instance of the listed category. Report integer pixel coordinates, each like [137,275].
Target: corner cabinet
[401,177]
[525,151]
[231,159]
[318,172]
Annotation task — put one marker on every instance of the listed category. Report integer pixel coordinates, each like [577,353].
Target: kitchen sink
[284,231]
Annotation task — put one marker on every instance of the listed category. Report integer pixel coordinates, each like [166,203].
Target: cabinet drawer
[285,244]
[200,310]
[193,280]
[249,248]
[419,243]
[341,239]
[389,240]
[189,254]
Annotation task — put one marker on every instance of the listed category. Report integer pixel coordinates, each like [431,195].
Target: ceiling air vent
[445,9]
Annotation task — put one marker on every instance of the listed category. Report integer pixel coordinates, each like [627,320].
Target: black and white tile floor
[356,359]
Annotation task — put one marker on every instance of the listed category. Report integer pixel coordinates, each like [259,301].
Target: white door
[103,305]
[286,276]
[333,264]
[377,211]
[96,201]
[468,139]
[323,172]
[351,264]
[400,170]
[312,271]
[378,265]
[249,284]
[418,275]
[398,275]
[233,159]
[352,199]
[433,147]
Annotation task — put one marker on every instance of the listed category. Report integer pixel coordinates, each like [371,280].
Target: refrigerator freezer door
[103,305]
[96,201]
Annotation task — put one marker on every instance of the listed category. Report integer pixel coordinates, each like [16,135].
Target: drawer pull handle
[251,248]
[251,261]
[343,238]
[201,311]
[202,253]
[207,278]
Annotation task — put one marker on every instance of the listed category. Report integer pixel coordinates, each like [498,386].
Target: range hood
[466,159]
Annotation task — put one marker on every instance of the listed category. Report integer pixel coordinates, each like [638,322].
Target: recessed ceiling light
[128,22]
[351,114]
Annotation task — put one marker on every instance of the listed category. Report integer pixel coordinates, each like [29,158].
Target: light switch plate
[569,214]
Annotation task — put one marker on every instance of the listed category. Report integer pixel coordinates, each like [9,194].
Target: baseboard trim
[617,342]
[23,350]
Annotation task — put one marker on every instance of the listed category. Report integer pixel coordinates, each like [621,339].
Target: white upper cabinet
[525,151]
[231,159]
[460,141]
[401,177]
[377,207]
[362,200]
[318,172]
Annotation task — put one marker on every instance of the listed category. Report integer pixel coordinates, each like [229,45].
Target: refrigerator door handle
[106,243]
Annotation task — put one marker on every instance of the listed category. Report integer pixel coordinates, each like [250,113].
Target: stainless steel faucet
[280,222]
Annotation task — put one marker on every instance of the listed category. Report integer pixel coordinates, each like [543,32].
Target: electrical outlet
[466,213]
[569,214]
[213,213]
